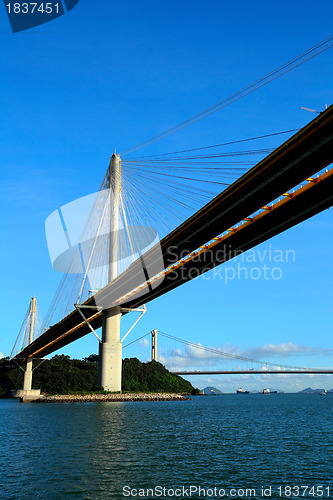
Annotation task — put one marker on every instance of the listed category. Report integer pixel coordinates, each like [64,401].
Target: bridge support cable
[78,308]
[261,367]
[142,310]
[264,80]
[159,155]
[137,340]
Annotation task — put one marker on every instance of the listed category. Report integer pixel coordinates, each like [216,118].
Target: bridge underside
[307,152]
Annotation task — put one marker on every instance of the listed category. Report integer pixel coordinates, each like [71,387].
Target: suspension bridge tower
[110,349]
[154,345]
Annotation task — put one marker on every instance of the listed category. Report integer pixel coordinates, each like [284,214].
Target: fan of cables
[30,329]
[157,193]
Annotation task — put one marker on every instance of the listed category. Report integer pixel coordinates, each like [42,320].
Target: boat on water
[265,391]
[241,391]
[324,393]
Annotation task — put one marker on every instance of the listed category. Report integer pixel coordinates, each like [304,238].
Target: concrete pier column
[27,380]
[110,351]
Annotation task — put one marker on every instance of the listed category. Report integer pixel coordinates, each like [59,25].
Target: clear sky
[111,74]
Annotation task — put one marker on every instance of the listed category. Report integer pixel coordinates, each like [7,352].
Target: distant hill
[208,390]
[309,390]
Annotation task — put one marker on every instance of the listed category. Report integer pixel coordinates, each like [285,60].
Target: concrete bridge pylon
[27,380]
[110,348]
[27,393]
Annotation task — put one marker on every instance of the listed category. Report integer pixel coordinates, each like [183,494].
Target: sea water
[243,446]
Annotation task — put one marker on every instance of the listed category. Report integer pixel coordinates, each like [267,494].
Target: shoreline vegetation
[62,375]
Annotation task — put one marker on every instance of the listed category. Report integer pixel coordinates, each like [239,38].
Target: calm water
[92,450]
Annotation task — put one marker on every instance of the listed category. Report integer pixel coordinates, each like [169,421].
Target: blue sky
[111,75]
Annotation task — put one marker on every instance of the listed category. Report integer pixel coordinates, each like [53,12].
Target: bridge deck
[307,152]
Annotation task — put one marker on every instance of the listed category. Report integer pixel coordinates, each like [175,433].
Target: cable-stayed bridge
[286,187]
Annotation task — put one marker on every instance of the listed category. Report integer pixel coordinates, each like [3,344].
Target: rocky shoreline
[98,398]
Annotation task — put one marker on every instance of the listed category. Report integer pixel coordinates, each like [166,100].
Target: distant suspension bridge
[227,363]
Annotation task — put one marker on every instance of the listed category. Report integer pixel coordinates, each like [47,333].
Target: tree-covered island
[63,375]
